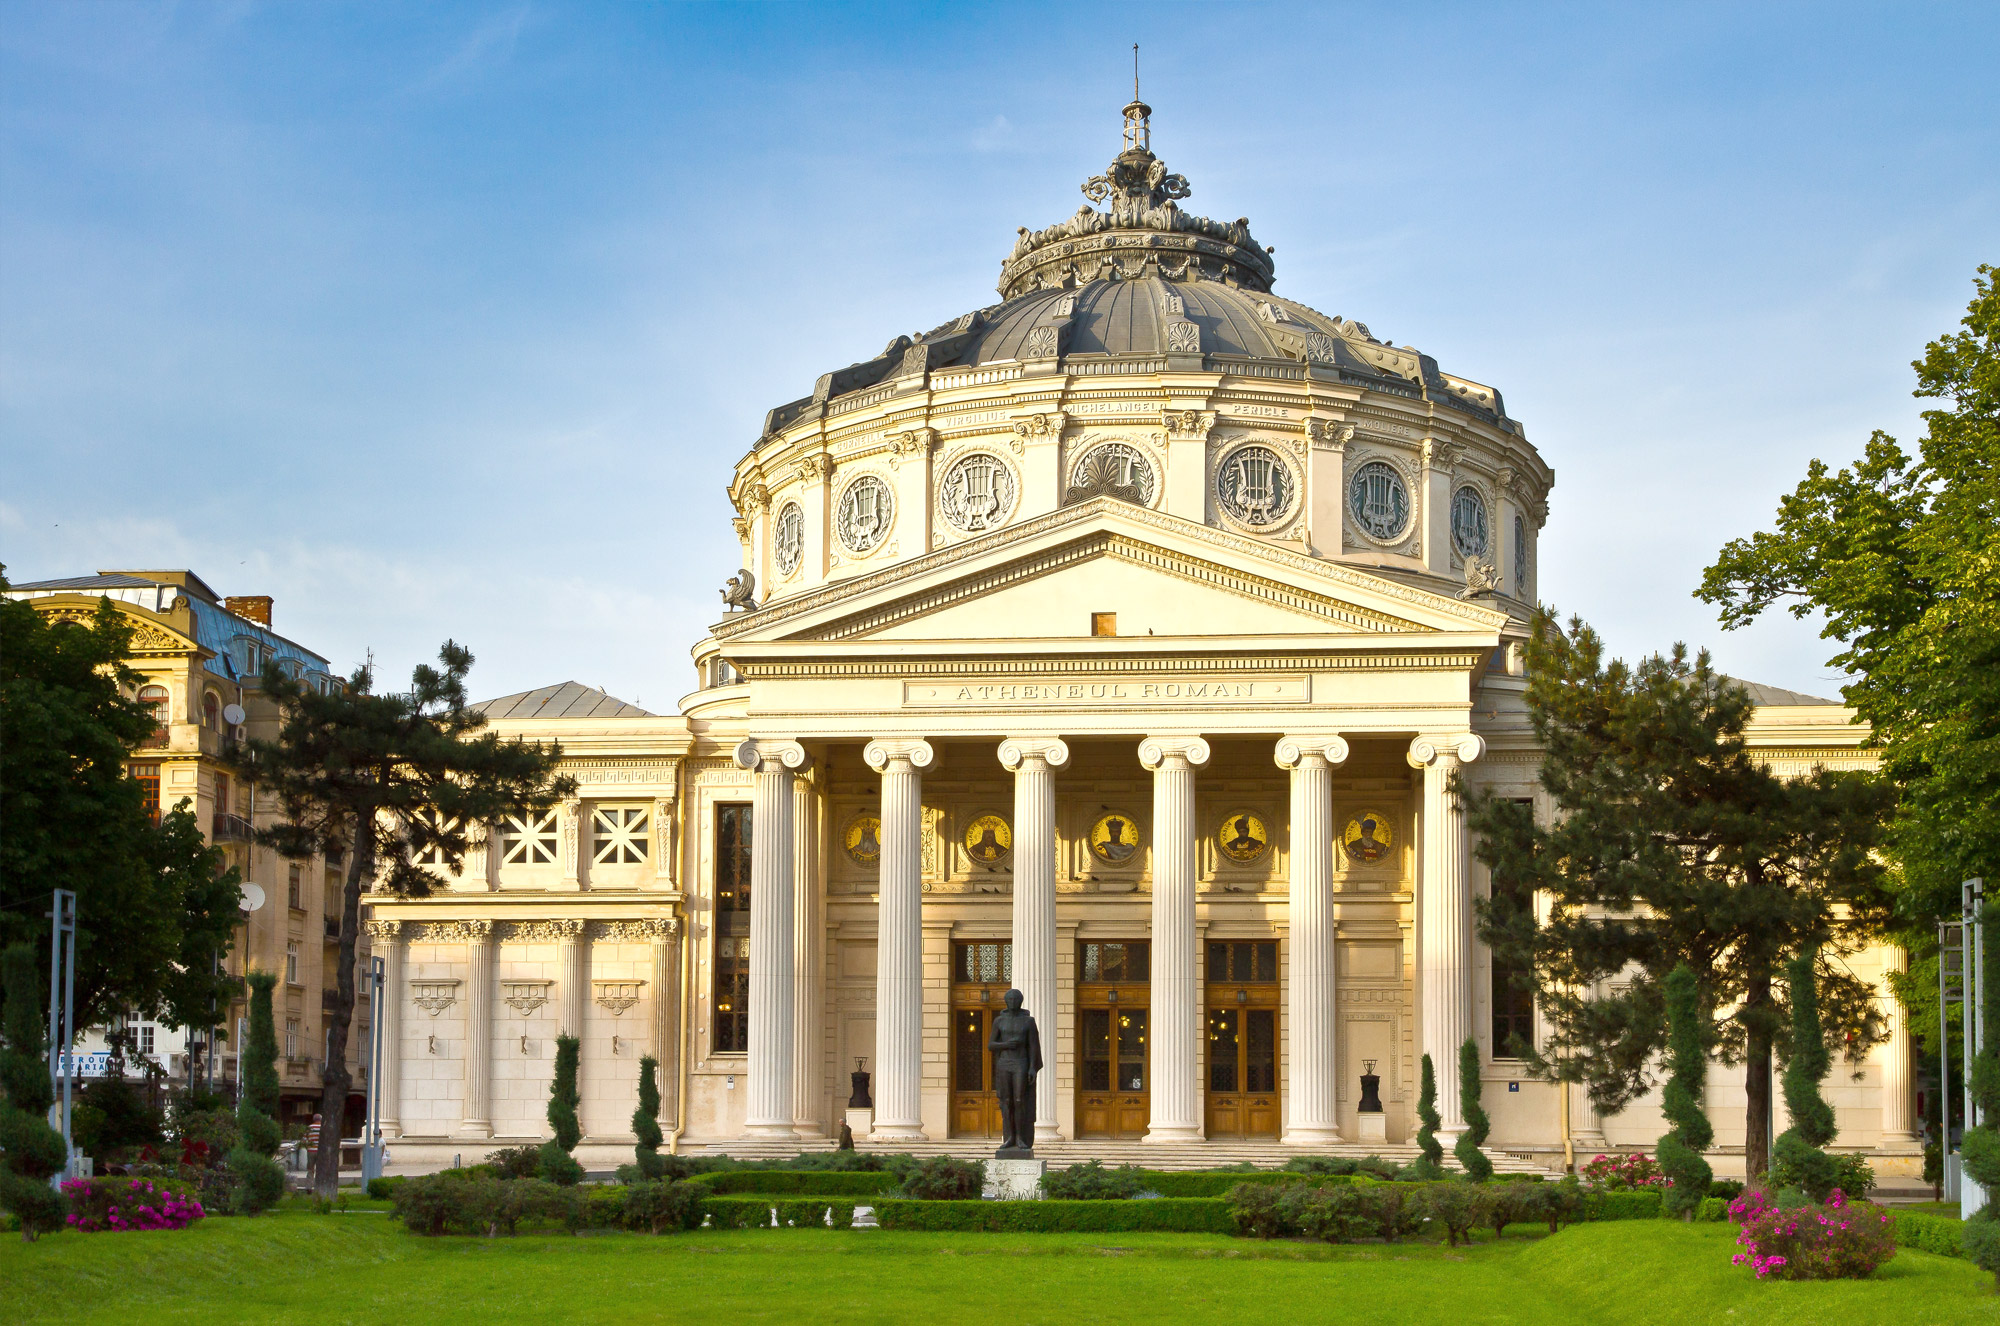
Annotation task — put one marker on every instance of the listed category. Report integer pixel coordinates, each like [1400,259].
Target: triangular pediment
[1161,575]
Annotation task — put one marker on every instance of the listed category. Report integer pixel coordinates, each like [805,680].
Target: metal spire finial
[1138,129]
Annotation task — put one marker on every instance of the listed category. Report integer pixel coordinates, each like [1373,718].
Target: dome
[1146,281]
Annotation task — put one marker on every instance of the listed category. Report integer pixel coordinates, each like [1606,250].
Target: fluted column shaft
[899,952]
[572,977]
[1444,919]
[1898,1121]
[1174,1017]
[772,978]
[388,937]
[476,1116]
[663,938]
[808,946]
[1034,762]
[1311,1087]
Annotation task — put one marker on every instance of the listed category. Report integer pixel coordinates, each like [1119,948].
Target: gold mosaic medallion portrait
[1243,837]
[1368,838]
[988,841]
[1114,839]
[863,839]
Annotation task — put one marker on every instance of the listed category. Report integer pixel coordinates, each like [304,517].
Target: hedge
[1174,1215]
[1928,1233]
[1168,1183]
[799,1212]
[1712,1209]
[817,1183]
[1634,1204]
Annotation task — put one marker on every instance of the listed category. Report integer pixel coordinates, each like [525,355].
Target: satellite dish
[232,714]
[253,897]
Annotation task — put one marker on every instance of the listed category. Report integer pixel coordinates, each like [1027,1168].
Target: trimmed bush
[1370,1166]
[1928,1233]
[818,1183]
[944,1179]
[661,1207]
[1179,1215]
[1430,1164]
[1470,1158]
[788,1212]
[1713,1209]
[257,1180]
[1680,1149]
[1837,1241]
[1092,1182]
[1456,1206]
[481,1205]
[383,1189]
[646,1120]
[96,1205]
[33,1151]
[1798,1157]
[1643,1204]
[516,1162]
[1194,1183]
[556,1165]
[1332,1212]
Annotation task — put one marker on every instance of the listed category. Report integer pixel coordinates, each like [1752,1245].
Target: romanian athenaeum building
[1118,641]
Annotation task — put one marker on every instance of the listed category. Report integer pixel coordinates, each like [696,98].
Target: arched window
[211,711]
[155,699]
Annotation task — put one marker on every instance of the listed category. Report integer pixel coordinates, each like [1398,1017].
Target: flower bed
[1839,1241]
[1622,1173]
[97,1205]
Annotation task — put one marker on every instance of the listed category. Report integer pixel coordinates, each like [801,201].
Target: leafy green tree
[1979,1147]
[1687,1050]
[408,781]
[1429,1163]
[557,1164]
[1902,556]
[154,902]
[259,1181]
[1470,1158]
[30,1151]
[1671,845]
[646,1120]
[1798,1160]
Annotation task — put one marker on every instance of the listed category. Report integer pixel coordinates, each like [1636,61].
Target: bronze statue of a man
[1016,1044]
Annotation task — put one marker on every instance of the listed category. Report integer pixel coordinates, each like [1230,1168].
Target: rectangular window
[148,778]
[983,962]
[1513,988]
[621,834]
[1244,963]
[291,964]
[733,833]
[431,853]
[291,1038]
[529,840]
[142,1038]
[1124,960]
[1104,623]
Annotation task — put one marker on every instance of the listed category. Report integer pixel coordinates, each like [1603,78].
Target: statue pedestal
[859,1121]
[1014,1180]
[1373,1126]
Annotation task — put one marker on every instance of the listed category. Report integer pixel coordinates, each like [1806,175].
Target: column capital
[383,930]
[1465,746]
[766,755]
[1017,751]
[884,751]
[1156,751]
[1293,751]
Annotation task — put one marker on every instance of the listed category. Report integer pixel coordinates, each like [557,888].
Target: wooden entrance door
[1242,1097]
[1113,989]
[981,972]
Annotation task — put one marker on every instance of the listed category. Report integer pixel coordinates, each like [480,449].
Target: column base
[781,1131]
[1046,1133]
[1172,1134]
[897,1132]
[474,1129]
[1327,1136]
[391,1129]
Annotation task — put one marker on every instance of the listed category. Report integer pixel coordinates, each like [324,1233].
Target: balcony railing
[232,829]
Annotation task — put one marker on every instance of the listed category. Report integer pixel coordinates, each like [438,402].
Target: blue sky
[450,320]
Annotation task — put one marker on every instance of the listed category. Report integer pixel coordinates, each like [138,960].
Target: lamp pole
[62,1013]
[371,1137]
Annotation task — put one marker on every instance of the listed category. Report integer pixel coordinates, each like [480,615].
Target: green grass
[362,1267]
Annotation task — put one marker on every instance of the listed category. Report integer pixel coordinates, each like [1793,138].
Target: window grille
[621,834]
[529,840]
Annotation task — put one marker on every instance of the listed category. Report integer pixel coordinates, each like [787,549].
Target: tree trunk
[335,1081]
[1757,1078]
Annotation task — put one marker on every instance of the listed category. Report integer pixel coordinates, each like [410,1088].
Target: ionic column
[388,1015]
[772,977]
[1311,1117]
[1033,761]
[476,1118]
[1174,1017]
[1444,917]
[1897,1124]
[899,953]
[808,948]
[663,939]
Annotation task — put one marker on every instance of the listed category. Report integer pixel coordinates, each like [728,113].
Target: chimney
[251,607]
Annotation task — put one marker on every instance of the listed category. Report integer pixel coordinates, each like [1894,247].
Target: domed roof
[1146,280]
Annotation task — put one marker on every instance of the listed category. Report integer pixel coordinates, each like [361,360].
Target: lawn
[298,1267]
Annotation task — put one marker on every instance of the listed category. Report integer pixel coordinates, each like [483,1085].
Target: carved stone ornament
[524,997]
[867,511]
[1183,338]
[1039,426]
[616,995]
[1040,344]
[384,931]
[1319,348]
[434,997]
[977,493]
[1188,423]
[1255,486]
[1329,434]
[645,930]
[814,468]
[737,595]
[1113,469]
[1482,577]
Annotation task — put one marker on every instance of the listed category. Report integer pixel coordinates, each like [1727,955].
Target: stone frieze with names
[1222,691]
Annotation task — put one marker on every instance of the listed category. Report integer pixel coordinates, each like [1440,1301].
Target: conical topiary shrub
[1797,1160]
[1477,1167]
[557,1164]
[646,1120]
[259,1180]
[1430,1164]
[1680,1149]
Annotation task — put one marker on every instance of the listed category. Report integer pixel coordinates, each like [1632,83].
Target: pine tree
[1430,1163]
[1797,1160]
[1672,844]
[33,1150]
[259,1179]
[1980,1147]
[394,781]
[557,1164]
[1680,1149]
[1477,1167]
[646,1120]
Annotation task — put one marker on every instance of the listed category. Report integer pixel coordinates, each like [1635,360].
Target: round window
[867,509]
[1379,500]
[1255,486]
[1468,522]
[977,493]
[788,542]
